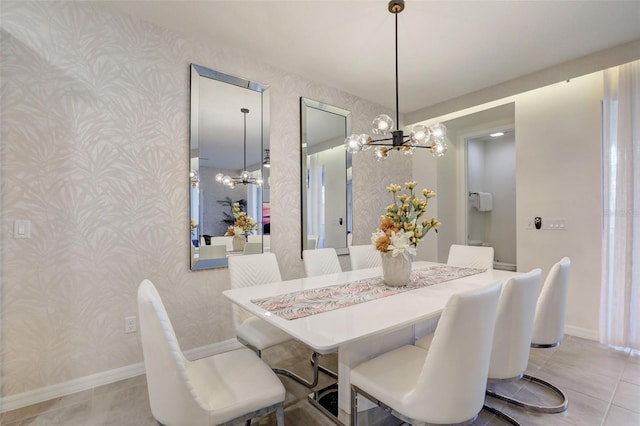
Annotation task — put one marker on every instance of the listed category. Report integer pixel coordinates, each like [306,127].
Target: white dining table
[364,330]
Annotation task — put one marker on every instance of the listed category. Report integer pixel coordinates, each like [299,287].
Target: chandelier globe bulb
[353,144]
[382,125]
[381,153]
[439,148]
[438,131]
[420,134]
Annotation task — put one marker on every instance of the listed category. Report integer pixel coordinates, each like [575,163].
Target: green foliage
[228,202]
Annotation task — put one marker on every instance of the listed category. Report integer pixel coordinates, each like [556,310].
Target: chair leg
[559,408]
[507,418]
[324,369]
[294,376]
[280,415]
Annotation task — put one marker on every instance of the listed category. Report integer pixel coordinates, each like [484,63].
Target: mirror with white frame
[325,176]
[229,135]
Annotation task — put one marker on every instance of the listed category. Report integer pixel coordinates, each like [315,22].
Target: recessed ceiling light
[496,134]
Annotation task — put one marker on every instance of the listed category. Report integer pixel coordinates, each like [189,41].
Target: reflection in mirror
[229,135]
[325,176]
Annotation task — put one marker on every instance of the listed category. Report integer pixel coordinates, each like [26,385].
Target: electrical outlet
[130,324]
[559,224]
[530,223]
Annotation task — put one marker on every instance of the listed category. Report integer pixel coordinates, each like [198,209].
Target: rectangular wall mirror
[229,136]
[325,176]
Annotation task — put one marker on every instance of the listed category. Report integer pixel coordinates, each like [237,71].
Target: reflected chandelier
[432,137]
[244,178]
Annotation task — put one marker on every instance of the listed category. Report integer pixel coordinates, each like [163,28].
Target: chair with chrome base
[447,383]
[364,256]
[512,336]
[214,390]
[549,321]
[256,269]
[512,340]
[470,256]
[320,262]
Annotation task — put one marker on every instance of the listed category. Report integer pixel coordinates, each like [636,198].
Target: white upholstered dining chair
[512,340]
[470,256]
[364,256]
[213,252]
[320,262]
[447,383]
[257,269]
[221,389]
[551,309]
[250,270]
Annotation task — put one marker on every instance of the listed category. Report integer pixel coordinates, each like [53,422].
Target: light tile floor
[603,386]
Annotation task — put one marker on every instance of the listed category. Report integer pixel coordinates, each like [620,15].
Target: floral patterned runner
[303,303]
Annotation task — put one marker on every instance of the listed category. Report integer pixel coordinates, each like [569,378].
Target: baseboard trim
[583,333]
[58,390]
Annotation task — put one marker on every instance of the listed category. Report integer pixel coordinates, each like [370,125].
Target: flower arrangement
[194,226]
[243,223]
[400,229]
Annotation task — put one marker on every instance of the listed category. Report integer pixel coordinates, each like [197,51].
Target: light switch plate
[22,229]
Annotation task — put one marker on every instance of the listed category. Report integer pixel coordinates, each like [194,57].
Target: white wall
[558,154]
[557,176]
[95,153]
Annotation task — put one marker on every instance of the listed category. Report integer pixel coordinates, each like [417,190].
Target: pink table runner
[303,303]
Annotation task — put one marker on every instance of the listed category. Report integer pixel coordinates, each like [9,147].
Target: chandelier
[244,178]
[432,137]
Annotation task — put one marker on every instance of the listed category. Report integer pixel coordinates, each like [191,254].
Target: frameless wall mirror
[325,176]
[229,136]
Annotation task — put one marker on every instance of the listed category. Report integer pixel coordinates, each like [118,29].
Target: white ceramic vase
[238,242]
[396,271]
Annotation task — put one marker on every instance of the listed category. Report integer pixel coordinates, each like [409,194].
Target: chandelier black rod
[397,96]
[244,157]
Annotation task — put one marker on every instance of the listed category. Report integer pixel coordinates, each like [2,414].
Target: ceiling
[446,48]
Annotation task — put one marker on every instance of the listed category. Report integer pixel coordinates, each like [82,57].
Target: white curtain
[620,298]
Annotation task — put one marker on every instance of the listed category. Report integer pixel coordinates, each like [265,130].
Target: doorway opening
[491,194]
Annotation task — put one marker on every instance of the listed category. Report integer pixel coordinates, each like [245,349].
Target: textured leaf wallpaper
[94,132]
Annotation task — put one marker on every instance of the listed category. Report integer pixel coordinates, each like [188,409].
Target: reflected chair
[320,262]
[312,242]
[364,256]
[252,238]
[447,383]
[470,256]
[257,269]
[213,252]
[209,391]
[223,240]
[252,248]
